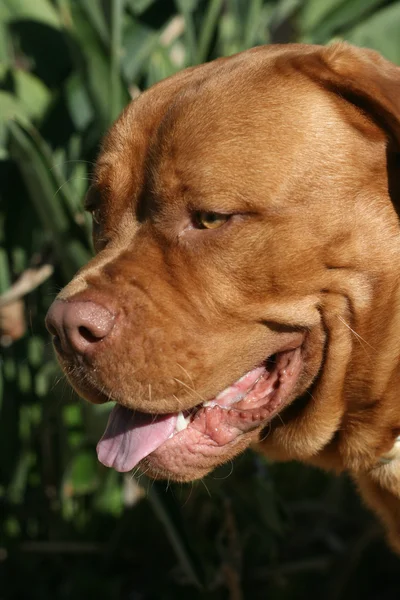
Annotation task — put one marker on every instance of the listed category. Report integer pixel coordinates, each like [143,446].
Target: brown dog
[247,265]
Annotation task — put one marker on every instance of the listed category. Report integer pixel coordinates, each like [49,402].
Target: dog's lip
[250,402]
[261,392]
[82,376]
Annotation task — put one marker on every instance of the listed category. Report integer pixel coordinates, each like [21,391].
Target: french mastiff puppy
[248,265]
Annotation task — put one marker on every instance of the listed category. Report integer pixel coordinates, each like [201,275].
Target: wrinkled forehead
[230,132]
[240,126]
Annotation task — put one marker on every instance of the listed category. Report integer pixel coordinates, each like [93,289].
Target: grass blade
[116,104]
[208,29]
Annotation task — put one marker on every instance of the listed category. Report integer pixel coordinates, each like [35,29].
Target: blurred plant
[67,68]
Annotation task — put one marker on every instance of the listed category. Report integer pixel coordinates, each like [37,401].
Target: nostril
[51,329]
[77,326]
[57,342]
[88,335]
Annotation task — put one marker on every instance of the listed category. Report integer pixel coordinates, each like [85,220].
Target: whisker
[134,472]
[68,181]
[154,418]
[58,381]
[66,162]
[310,394]
[225,476]
[190,389]
[142,473]
[187,374]
[177,399]
[360,339]
[264,437]
[208,491]
[190,494]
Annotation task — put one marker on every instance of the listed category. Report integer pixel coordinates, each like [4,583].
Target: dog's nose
[78,327]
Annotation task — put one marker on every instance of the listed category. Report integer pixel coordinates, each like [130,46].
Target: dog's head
[244,225]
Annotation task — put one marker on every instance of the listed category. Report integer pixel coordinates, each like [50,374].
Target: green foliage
[70,528]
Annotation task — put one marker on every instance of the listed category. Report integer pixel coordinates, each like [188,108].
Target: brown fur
[301,143]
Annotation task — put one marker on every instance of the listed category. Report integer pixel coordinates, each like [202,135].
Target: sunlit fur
[300,144]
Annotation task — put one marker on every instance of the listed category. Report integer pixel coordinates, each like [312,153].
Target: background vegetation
[70,528]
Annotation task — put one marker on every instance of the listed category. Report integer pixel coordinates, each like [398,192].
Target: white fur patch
[393,454]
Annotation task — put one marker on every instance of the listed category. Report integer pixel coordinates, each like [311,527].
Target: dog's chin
[186,445]
[83,383]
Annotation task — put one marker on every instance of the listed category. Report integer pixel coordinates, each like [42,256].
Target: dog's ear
[365,79]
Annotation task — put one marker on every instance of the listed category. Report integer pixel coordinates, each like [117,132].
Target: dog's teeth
[237,398]
[224,403]
[182,422]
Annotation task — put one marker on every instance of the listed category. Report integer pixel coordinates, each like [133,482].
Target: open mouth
[244,406]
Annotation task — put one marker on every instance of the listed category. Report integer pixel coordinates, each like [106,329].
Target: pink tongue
[131,435]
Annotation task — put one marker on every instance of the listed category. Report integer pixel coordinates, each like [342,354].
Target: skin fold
[297,147]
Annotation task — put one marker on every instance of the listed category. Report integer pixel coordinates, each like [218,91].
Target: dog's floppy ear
[364,78]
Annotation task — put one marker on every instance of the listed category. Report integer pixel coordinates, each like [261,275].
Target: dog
[245,222]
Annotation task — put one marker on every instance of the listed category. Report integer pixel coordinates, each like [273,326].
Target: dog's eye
[92,204]
[209,220]
[95,212]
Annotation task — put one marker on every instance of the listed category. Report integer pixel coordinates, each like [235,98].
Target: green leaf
[18,259]
[5,55]
[109,497]
[24,378]
[314,12]
[208,29]
[343,16]
[139,6]
[252,23]
[11,108]
[380,32]
[116,100]
[9,369]
[16,489]
[35,350]
[100,75]
[229,35]
[139,43]
[283,11]
[49,198]
[78,101]
[187,5]
[79,183]
[32,94]
[96,17]
[72,415]
[81,476]
[186,8]
[160,66]
[46,378]
[36,10]
[12,527]
[5,279]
